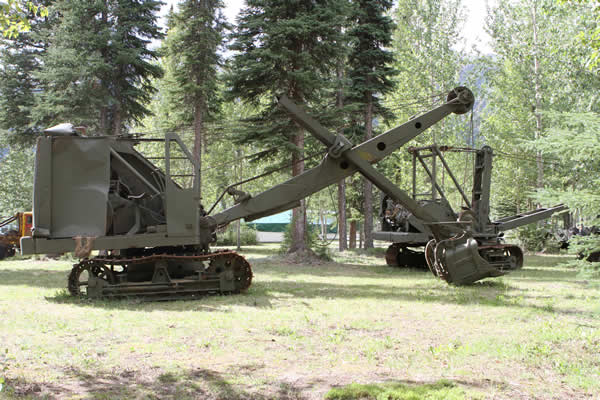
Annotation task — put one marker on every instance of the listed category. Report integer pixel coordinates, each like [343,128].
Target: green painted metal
[101,190]
[99,193]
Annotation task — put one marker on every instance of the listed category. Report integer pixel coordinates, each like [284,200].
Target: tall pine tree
[196,33]
[19,62]
[98,67]
[370,72]
[285,47]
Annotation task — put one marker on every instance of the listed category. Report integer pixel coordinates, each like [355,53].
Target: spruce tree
[196,34]
[287,48]
[370,35]
[98,68]
[19,62]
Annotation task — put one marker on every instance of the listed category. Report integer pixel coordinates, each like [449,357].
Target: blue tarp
[278,222]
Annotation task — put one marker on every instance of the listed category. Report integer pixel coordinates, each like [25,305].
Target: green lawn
[302,330]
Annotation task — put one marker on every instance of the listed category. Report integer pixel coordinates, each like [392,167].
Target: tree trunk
[198,138]
[104,121]
[352,234]
[323,224]
[105,128]
[204,143]
[361,236]
[538,97]
[298,213]
[367,185]
[343,237]
[239,177]
[117,121]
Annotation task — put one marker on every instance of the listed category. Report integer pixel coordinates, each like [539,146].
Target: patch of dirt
[304,257]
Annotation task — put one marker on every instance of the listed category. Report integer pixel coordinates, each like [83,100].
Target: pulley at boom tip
[462,98]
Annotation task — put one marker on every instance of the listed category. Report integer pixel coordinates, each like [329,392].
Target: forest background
[360,66]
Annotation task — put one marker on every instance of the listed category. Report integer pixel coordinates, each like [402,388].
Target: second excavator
[407,233]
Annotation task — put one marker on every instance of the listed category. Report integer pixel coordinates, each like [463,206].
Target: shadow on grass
[196,383]
[206,384]
[383,283]
[44,278]
[544,274]
[262,294]
[203,383]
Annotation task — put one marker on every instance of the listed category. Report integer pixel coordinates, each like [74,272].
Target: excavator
[407,233]
[10,240]
[154,235]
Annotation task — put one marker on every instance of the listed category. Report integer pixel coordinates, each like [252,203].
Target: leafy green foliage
[322,250]
[370,60]
[282,47]
[516,101]
[19,64]
[590,35]
[571,145]
[16,185]
[311,236]
[319,245]
[15,16]
[248,236]
[584,245]
[369,72]
[290,48]
[17,96]
[532,237]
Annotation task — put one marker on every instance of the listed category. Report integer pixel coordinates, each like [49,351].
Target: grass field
[302,330]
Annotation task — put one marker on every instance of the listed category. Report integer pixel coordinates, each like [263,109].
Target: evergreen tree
[285,47]
[98,68]
[370,73]
[196,33]
[19,62]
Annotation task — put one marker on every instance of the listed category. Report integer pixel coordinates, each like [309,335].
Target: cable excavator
[407,233]
[144,214]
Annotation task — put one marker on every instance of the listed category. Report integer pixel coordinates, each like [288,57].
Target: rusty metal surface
[391,255]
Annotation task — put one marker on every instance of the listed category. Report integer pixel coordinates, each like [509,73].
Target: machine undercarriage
[161,274]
